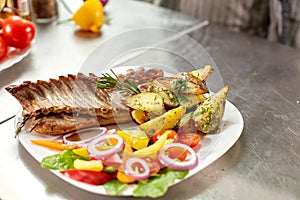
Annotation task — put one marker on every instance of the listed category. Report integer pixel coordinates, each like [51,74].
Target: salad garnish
[113,82]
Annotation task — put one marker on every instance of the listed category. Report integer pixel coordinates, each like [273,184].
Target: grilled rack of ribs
[73,102]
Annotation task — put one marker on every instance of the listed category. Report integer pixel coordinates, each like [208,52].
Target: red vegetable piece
[170,133]
[18,32]
[90,177]
[3,48]
[190,139]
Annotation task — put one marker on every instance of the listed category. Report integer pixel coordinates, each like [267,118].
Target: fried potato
[209,114]
[163,122]
[188,96]
[190,100]
[202,73]
[148,102]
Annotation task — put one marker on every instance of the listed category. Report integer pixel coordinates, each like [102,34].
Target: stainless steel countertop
[264,81]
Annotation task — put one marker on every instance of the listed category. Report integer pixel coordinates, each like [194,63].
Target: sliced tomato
[153,164]
[171,135]
[190,139]
[177,153]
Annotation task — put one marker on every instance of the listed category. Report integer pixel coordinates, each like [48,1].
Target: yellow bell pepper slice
[136,138]
[121,176]
[90,16]
[152,149]
[81,152]
[91,165]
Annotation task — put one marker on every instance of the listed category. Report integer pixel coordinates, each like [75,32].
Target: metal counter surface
[264,80]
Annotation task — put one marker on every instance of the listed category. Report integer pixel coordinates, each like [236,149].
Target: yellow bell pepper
[152,149]
[136,138]
[82,152]
[121,176]
[91,165]
[90,16]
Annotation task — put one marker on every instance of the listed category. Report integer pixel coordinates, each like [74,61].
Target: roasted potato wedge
[147,102]
[202,73]
[190,100]
[175,84]
[187,97]
[139,116]
[198,76]
[163,122]
[208,115]
[187,100]
[169,98]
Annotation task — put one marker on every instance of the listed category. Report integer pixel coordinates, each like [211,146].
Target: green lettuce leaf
[158,185]
[61,161]
[114,187]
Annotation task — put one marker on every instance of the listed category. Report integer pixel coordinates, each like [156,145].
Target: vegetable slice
[81,138]
[97,149]
[208,115]
[90,165]
[189,164]
[136,138]
[147,102]
[90,177]
[137,168]
[152,149]
[53,144]
[163,122]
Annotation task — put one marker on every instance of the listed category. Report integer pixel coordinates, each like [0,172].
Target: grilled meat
[72,102]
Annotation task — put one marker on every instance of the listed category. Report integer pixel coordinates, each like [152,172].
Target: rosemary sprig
[113,82]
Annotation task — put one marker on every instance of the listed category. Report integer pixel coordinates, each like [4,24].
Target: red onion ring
[86,136]
[111,131]
[102,154]
[174,164]
[132,170]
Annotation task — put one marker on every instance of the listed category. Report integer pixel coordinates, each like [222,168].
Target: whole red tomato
[3,48]
[18,32]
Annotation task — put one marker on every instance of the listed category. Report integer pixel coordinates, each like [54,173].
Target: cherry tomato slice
[153,164]
[171,135]
[190,139]
[177,153]
[3,49]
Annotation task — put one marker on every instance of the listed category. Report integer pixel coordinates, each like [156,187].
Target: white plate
[214,147]
[14,56]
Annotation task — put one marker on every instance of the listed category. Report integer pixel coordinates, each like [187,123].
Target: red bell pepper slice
[90,177]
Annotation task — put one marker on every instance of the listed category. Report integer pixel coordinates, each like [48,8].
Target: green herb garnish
[178,86]
[113,82]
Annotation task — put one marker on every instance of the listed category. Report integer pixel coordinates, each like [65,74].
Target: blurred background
[275,20]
